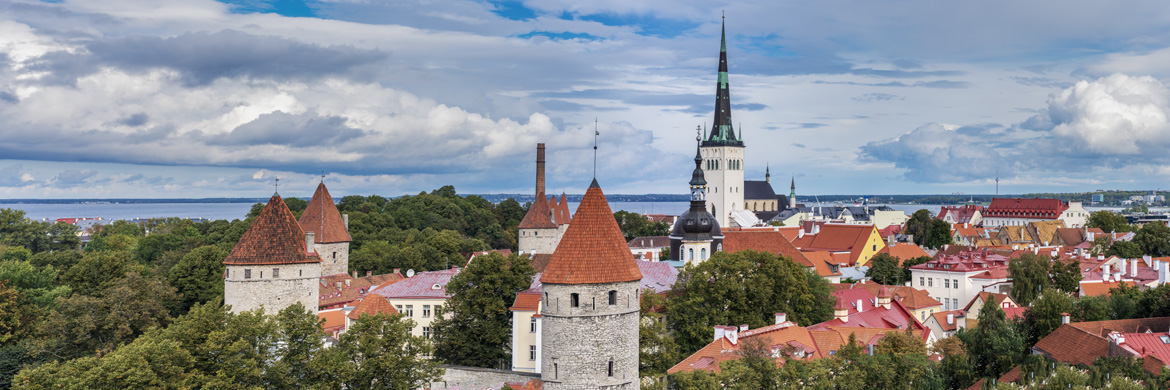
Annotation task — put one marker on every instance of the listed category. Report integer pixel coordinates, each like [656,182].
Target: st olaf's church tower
[722,151]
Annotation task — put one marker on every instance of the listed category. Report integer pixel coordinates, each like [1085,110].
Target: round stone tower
[591,302]
[330,230]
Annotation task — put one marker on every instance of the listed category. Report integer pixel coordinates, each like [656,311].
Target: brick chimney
[540,169]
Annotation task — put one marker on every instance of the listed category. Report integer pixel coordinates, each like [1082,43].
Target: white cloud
[1114,115]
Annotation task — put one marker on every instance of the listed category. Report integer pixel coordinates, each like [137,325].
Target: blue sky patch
[645,24]
[561,35]
[292,8]
[513,10]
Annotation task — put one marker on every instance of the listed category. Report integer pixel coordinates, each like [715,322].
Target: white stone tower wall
[724,185]
[296,283]
[334,257]
[539,240]
[581,341]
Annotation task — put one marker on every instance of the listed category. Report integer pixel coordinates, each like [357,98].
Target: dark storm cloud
[280,128]
[203,57]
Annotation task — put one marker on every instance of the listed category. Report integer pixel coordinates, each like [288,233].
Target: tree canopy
[475,325]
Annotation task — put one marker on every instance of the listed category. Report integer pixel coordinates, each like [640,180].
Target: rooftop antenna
[595,134]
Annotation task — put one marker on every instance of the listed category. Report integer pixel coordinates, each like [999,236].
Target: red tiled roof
[333,319]
[561,212]
[593,249]
[372,305]
[527,301]
[904,251]
[890,231]
[539,215]
[1025,208]
[540,261]
[322,219]
[984,295]
[773,336]
[1071,236]
[821,261]
[910,297]
[941,317]
[274,238]
[841,238]
[764,240]
[331,295]
[1099,289]
[961,214]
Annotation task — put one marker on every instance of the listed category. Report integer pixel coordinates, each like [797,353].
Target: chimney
[355,274]
[338,284]
[1100,257]
[871,350]
[743,328]
[781,318]
[951,318]
[1147,259]
[347,282]
[369,273]
[859,305]
[309,238]
[540,170]
[345,220]
[1064,318]
[1161,272]
[732,334]
[719,332]
[800,233]
[816,229]
[1133,268]
[1105,272]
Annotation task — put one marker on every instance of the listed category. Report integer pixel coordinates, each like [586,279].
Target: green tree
[59,260]
[884,269]
[36,284]
[1030,274]
[901,343]
[1154,239]
[1091,308]
[1155,302]
[635,225]
[955,366]
[745,287]
[1123,301]
[13,316]
[1107,221]
[1125,250]
[475,328]
[657,351]
[918,225]
[296,205]
[907,263]
[995,345]
[1044,316]
[938,235]
[1067,276]
[84,324]
[378,352]
[198,277]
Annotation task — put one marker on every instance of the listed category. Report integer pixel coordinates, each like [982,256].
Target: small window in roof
[1165,339]
[436,286]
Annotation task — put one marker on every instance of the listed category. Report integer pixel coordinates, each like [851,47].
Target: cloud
[11,176]
[300,130]
[1115,122]
[72,178]
[877,97]
[202,57]
[944,84]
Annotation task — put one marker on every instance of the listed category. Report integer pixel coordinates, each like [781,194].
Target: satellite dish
[410,273]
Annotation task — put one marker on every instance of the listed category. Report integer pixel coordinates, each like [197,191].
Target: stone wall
[579,343]
[334,257]
[539,240]
[475,378]
[295,283]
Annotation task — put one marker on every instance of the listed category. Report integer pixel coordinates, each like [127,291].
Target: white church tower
[723,152]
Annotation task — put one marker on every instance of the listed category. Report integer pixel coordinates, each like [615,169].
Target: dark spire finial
[276,184]
[595,134]
[322,177]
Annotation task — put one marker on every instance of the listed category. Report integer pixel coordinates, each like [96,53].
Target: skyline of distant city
[203,99]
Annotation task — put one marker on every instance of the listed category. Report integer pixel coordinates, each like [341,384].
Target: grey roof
[758,189]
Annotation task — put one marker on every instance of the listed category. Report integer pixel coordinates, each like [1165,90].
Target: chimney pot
[369,273]
[950,318]
[781,318]
[743,328]
[859,304]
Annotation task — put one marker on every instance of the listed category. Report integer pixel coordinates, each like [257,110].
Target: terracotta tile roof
[764,240]
[561,213]
[426,285]
[1071,236]
[911,298]
[960,214]
[1012,313]
[984,295]
[274,238]
[1011,376]
[322,219]
[593,249]
[540,261]
[941,317]
[1100,289]
[1025,208]
[840,238]
[786,334]
[821,261]
[539,215]
[372,305]
[330,295]
[1135,325]
[897,317]
[650,242]
[1153,364]
[1071,345]
[526,301]
[891,230]
[904,251]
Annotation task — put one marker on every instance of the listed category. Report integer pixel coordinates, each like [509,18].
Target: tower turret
[330,231]
[273,265]
[696,235]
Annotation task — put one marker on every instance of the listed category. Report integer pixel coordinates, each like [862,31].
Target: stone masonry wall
[578,343]
[296,283]
[539,240]
[334,257]
[475,378]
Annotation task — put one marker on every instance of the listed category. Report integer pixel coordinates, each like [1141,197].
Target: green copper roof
[722,133]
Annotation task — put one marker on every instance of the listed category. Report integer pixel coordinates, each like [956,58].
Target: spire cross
[276,184]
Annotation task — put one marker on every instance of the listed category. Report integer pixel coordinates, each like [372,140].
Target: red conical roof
[593,249]
[539,215]
[274,238]
[322,218]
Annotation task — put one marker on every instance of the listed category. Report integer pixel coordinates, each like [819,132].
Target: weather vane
[322,176]
[276,184]
[595,134]
[698,133]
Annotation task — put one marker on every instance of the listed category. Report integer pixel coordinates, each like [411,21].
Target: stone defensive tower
[723,151]
[274,265]
[330,230]
[591,303]
[546,221]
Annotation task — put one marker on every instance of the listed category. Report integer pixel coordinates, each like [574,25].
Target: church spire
[722,132]
[698,182]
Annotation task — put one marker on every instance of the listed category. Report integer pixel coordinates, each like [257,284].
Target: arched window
[702,253]
[690,253]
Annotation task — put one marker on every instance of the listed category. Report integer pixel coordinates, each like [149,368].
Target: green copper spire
[722,133]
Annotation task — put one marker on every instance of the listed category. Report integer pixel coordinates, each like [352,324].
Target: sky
[202,98]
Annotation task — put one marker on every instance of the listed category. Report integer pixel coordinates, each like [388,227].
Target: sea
[230,211]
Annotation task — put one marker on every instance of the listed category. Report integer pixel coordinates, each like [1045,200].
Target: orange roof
[333,318]
[330,294]
[1099,289]
[941,317]
[539,215]
[904,251]
[764,240]
[374,304]
[561,212]
[527,301]
[322,219]
[593,249]
[784,334]
[275,237]
[910,297]
[821,261]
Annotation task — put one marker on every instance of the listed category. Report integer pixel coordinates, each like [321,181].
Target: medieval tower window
[612,297]
[574,300]
[276,272]
[247,274]
[611,368]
